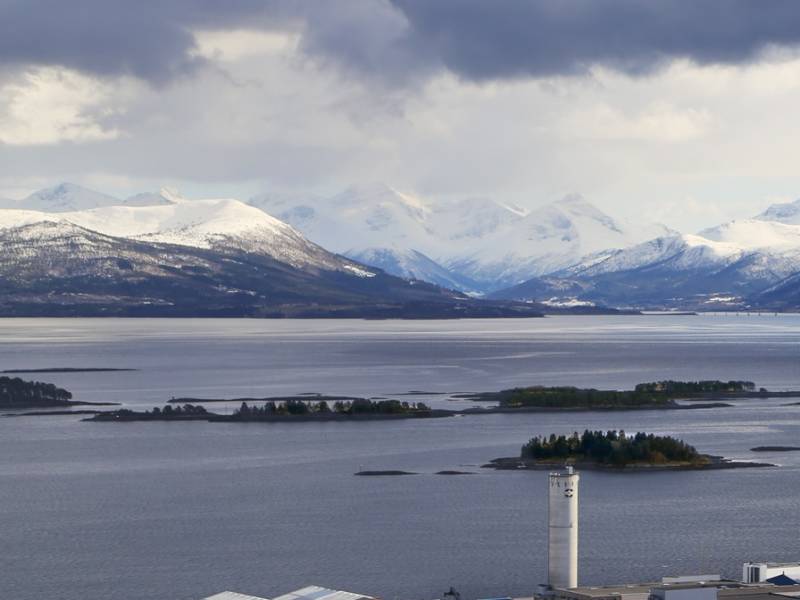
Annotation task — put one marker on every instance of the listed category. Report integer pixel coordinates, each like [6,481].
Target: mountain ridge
[565,253]
[478,241]
[200,258]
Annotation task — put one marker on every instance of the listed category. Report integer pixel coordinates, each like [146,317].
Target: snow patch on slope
[752,234]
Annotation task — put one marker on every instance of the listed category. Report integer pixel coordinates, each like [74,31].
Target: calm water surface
[183,510]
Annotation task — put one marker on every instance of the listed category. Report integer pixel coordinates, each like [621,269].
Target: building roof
[621,591]
[314,592]
[604,591]
[233,596]
[782,579]
[750,590]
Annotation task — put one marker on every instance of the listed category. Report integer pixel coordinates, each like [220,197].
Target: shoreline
[61,405]
[511,463]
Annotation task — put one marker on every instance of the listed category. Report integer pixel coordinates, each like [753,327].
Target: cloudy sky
[683,112]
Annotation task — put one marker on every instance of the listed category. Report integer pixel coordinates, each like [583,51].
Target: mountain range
[164,255]
[476,245]
[375,246]
[747,263]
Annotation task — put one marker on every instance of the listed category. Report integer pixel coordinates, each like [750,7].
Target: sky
[671,111]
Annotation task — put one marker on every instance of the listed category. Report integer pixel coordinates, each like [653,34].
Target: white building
[754,572]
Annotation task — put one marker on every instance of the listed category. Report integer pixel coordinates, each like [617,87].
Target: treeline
[15,392]
[573,397]
[696,387]
[657,394]
[169,412]
[611,447]
[359,406]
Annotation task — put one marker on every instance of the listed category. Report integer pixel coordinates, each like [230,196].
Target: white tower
[562,550]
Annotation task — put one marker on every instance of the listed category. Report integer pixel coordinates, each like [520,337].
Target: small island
[614,450]
[658,395]
[187,412]
[16,393]
[276,399]
[359,408]
[288,411]
[385,473]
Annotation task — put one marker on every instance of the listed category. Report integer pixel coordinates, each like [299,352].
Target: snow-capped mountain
[198,257]
[361,217]
[567,253]
[546,241]
[476,243]
[413,265]
[70,197]
[164,196]
[399,232]
[787,212]
[62,198]
[224,224]
[727,264]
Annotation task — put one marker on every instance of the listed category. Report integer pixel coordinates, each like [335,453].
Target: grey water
[184,510]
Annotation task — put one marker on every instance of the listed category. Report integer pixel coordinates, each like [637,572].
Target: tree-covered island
[613,450]
[655,395]
[290,410]
[16,393]
[187,412]
[340,409]
[693,388]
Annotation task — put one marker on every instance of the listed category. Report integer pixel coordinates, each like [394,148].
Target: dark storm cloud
[150,39]
[531,38]
[396,40]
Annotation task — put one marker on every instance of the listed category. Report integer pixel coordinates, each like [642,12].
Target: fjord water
[183,510]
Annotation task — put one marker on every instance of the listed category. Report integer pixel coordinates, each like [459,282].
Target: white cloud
[689,145]
[52,105]
[659,122]
[233,45]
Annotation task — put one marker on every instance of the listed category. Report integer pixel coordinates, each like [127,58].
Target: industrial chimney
[562,550]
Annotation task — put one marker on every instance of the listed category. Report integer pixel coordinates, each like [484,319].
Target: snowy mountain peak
[66,197]
[221,225]
[786,212]
[479,240]
[164,196]
[575,205]
[752,234]
[171,195]
[380,205]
